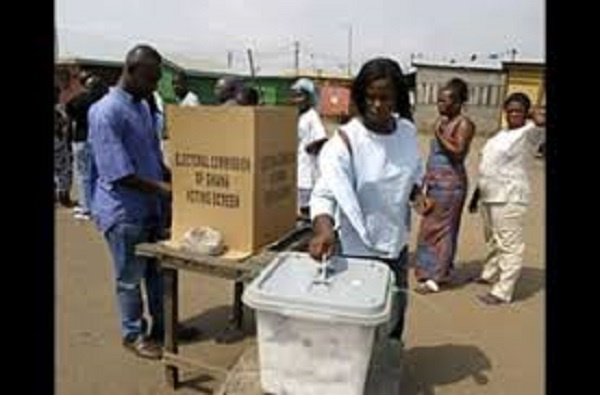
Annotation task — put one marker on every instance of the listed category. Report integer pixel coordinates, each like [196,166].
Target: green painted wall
[203,87]
[200,85]
[274,91]
[165,85]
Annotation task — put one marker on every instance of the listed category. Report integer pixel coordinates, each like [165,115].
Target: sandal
[427,287]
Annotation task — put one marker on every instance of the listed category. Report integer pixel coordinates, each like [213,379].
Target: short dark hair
[458,90]
[98,86]
[250,96]
[140,53]
[376,69]
[518,97]
[181,75]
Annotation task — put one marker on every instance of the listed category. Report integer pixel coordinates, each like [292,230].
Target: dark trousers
[399,266]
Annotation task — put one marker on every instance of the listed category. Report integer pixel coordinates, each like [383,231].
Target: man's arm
[145,185]
[112,159]
[167,174]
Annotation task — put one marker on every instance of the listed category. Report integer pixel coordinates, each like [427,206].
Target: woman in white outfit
[311,137]
[371,173]
[503,191]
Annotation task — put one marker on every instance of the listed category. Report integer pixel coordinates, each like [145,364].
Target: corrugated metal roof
[496,66]
[191,64]
[308,73]
[524,63]
[76,47]
[91,62]
[108,63]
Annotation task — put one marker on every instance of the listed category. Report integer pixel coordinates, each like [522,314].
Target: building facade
[487,89]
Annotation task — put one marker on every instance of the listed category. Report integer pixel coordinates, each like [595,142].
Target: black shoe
[65,200]
[143,347]
[490,299]
[483,281]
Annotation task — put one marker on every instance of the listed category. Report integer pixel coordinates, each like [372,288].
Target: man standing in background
[77,108]
[185,97]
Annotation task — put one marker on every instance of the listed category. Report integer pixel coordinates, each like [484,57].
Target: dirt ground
[454,345]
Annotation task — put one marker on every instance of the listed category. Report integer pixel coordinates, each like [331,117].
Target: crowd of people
[358,187]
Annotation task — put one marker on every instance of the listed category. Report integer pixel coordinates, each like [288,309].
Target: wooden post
[170,300]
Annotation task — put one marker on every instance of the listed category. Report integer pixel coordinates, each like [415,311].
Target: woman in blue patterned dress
[446,184]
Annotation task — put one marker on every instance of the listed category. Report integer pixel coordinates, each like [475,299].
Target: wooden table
[171,260]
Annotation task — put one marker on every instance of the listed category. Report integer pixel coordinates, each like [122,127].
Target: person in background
[228,91]
[502,194]
[248,97]
[62,167]
[156,109]
[185,97]
[77,109]
[311,137]
[371,173]
[446,183]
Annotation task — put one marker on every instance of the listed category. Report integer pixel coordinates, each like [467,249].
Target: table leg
[238,307]
[170,299]
[234,331]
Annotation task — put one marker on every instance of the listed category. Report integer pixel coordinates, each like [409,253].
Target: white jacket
[367,192]
[503,165]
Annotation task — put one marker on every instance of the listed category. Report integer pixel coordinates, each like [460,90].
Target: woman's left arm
[458,145]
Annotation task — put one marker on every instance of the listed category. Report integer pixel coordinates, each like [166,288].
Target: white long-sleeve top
[190,100]
[367,191]
[503,164]
[310,129]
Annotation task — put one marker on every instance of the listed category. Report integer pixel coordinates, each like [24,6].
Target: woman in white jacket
[503,191]
[371,171]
